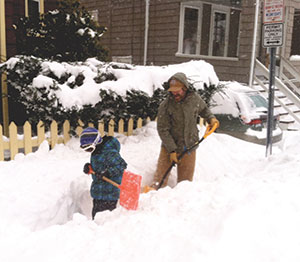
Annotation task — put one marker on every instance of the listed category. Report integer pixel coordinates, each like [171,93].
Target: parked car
[243,113]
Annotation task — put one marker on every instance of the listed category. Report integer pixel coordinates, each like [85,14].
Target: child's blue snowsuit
[106,157]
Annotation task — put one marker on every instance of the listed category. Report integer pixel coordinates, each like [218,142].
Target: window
[208,30]
[33,7]
[219,34]
[295,50]
[122,59]
[94,15]
[190,31]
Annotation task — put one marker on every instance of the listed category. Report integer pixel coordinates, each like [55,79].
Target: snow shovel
[208,132]
[129,189]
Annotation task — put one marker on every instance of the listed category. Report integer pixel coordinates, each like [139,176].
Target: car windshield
[258,100]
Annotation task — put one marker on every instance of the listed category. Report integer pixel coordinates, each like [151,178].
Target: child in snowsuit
[105,161]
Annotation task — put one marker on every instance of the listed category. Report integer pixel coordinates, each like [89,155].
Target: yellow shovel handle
[209,130]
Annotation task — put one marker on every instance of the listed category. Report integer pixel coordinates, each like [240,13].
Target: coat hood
[180,77]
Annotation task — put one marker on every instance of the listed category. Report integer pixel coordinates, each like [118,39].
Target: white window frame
[94,15]
[27,6]
[122,59]
[181,27]
[214,8]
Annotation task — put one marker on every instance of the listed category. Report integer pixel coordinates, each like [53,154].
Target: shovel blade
[130,190]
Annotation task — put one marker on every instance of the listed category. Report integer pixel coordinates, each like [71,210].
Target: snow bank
[241,206]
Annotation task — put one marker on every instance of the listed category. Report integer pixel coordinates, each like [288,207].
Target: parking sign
[273,35]
[273,11]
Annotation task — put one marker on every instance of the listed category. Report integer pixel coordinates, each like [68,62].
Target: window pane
[295,49]
[259,101]
[219,34]
[205,29]
[190,30]
[94,15]
[234,33]
[33,8]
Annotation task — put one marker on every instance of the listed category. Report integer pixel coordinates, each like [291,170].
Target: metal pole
[147,2]
[270,123]
[253,54]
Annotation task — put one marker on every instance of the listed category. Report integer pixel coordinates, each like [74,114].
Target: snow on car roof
[234,99]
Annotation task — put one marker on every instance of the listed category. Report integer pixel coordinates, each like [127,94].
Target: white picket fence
[25,143]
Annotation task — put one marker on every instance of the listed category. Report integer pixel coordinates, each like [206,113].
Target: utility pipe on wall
[253,54]
[146,30]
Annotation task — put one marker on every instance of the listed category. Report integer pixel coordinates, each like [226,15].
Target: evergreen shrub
[66,34]
[41,102]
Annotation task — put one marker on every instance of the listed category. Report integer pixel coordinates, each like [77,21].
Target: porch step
[286,122]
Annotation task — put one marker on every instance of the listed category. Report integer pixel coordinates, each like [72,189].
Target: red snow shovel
[129,189]
[208,132]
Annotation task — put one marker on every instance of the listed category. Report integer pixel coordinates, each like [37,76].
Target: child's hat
[89,138]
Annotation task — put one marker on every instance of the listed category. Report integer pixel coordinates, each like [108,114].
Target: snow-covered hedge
[94,90]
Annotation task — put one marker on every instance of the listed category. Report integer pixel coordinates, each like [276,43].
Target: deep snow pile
[59,79]
[241,206]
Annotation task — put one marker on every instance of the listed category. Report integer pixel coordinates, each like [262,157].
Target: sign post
[270,123]
[272,38]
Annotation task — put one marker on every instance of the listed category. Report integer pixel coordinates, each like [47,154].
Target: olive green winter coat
[177,121]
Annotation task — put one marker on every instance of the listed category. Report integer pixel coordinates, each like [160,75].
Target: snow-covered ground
[241,206]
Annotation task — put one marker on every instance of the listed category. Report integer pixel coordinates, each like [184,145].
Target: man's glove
[87,168]
[214,121]
[173,157]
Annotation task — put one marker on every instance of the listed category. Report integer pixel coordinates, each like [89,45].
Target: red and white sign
[273,11]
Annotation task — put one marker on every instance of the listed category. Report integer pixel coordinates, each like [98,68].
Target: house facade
[10,12]
[224,33]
